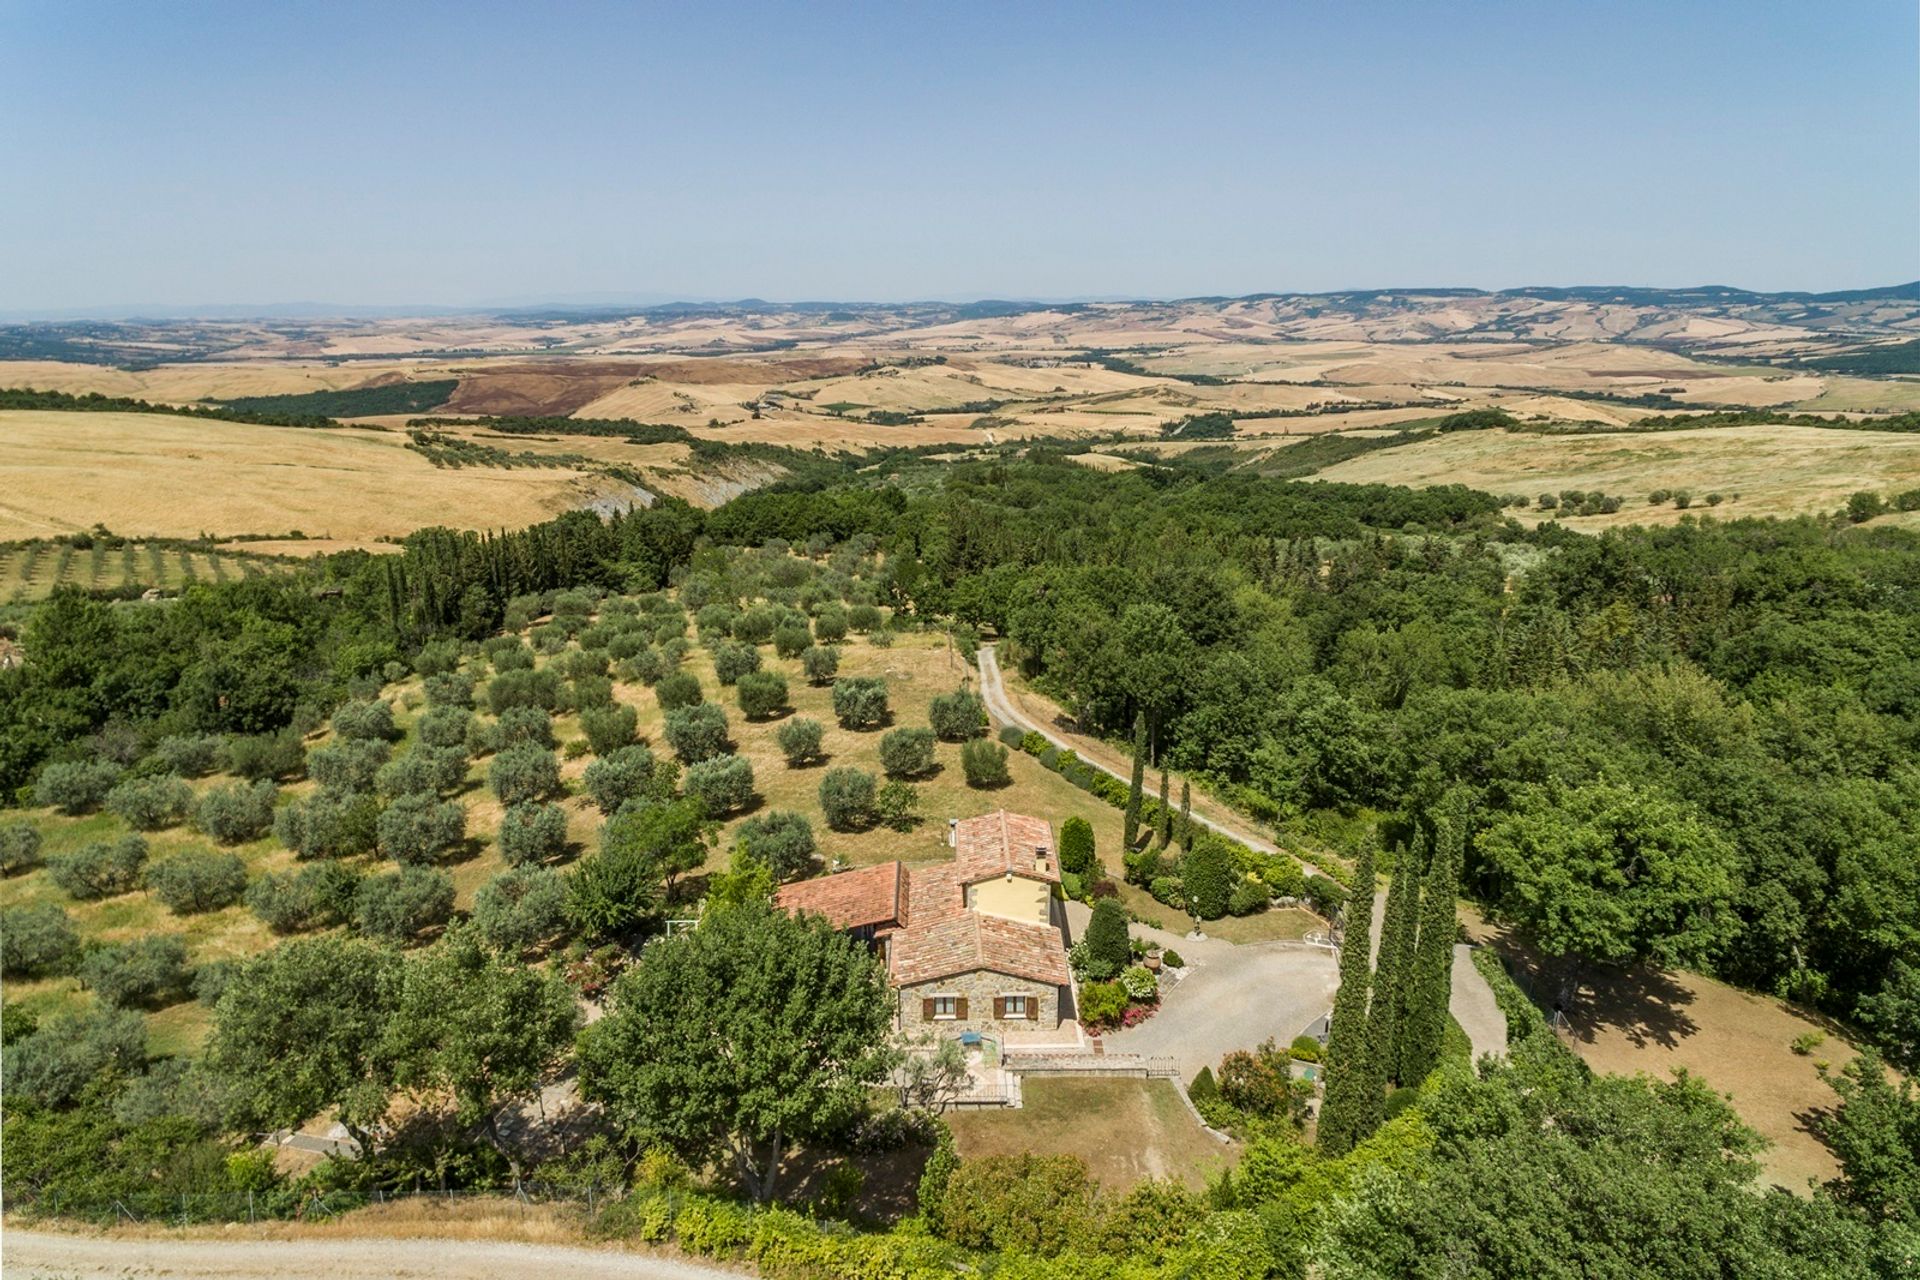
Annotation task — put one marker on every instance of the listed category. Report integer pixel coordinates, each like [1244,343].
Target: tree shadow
[1645,1005]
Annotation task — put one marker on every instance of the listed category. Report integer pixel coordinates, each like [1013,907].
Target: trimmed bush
[780,841]
[984,763]
[518,910]
[366,721]
[1076,847]
[419,829]
[147,972]
[1207,876]
[1108,951]
[799,740]
[189,755]
[532,833]
[907,753]
[847,798]
[348,764]
[198,880]
[37,941]
[268,756]
[681,689]
[609,729]
[762,694]
[329,825]
[77,787]
[236,812]
[820,664]
[19,847]
[618,776]
[314,897]
[723,784]
[791,640]
[399,906]
[100,869]
[1013,736]
[697,733]
[958,716]
[860,702]
[523,773]
[731,661]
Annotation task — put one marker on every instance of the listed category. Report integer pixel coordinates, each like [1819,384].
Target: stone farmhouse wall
[979,990]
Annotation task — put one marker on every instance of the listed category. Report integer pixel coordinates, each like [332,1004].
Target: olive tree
[100,869]
[314,897]
[957,716]
[524,773]
[617,777]
[236,812]
[348,764]
[398,906]
[722,784]
[847,797]
[907,753]
[731,661]
[328,826]
[532,832]
[698,732]
[19,847]
[984,763]
[189,755]
[860,702]
[146,972]
[36,941]
[608,729]
[799,741]
[366,720]
[820,664]
[780,841]
[420,829]
[77,787]
[762,694]
[198,880]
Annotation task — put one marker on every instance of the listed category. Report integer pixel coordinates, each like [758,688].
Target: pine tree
[1396,954]
[1429,983]
[1186,814]
[1132,822]
[1163,820]
[1346,1109]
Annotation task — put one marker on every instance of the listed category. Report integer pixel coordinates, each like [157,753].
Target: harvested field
[536,389]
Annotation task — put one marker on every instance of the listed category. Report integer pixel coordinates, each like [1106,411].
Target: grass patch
[1126,1130]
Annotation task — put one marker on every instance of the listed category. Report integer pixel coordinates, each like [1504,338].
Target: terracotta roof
[996,843]
[850,899]
[973,940]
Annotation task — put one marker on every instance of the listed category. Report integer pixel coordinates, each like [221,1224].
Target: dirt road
[33,1254]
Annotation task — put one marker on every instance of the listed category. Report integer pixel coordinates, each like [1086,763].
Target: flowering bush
[1139,983]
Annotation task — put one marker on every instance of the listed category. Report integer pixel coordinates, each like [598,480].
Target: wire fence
[187,1208]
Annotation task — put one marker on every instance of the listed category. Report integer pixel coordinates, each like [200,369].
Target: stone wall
[979,987]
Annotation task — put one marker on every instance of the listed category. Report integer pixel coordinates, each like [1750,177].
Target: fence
[1127,1065]
[184,1209]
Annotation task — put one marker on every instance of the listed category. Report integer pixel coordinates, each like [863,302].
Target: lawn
[1127,1130]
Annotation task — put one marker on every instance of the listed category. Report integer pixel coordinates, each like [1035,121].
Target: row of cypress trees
[1390,1013]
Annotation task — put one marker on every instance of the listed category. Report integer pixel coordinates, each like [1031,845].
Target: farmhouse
[975,944]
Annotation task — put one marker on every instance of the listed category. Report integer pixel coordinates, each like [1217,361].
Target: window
[1013,1006]
[946,1006]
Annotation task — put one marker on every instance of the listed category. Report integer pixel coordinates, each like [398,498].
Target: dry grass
[1126,1130]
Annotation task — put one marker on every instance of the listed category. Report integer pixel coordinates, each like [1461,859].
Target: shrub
[681,689]
[780,841]
[419,829]
[1106,939]
[880,638]
[957,716]
[100,869]
[348,764]
[1102,1003]
[1028,1204]
[984,763]
[1076,847]
[697,733]
[197,881]
[19,847]
[1207,875]
[1807,1041]
[860,702]
[722,784]
[1306,1049]
[847,798]
[329,825]
[532,832]
[520,909]
[449,692]
[907,753]
[149,971]
[1248,897]
[236,812]
[897,806]
[314,897]
[1259,1083]
[36,941]
[609,729]
[523,773]
[618,776]
[367,721]
[189,755]
[1324,895]
[1014,737]
[70,1052]
[762,694]
[523,689]
[799,740]
[149,804]
[820,664]
[268,755]
[77,787]
[1139,983]
[398,906]
[1171,959]
[1168,891]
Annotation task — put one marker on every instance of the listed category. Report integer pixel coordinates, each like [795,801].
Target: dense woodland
[1692,746]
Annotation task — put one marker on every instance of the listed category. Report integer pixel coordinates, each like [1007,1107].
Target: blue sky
[183,154]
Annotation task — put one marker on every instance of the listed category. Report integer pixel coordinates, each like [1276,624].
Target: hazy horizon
[375,158]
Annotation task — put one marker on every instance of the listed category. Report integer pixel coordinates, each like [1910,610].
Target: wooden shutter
[1033,1008]
[999,1007]
[926,1010]
[960,1007]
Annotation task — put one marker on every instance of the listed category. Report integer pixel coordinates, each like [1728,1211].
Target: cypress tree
[1163,820]
[1186,814]
[1429,983]
[1132,822]
[1347,1112]
[1397,935]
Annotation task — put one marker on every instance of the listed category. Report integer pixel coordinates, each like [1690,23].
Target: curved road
[1472,1004]
[98,1257]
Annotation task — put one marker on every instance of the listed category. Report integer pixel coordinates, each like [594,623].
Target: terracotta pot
[1152,963]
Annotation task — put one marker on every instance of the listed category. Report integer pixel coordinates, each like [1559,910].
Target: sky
[183,155]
